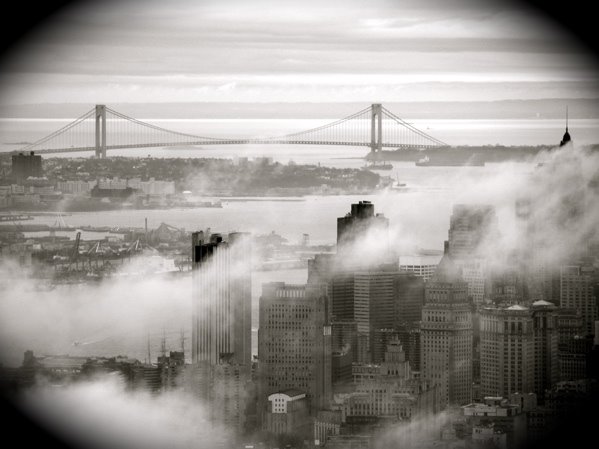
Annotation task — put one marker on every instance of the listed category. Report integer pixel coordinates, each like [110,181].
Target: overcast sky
[262,51]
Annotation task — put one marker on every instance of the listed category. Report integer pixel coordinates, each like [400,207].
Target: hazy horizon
[219,52]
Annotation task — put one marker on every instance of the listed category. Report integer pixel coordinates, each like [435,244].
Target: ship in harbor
[470,162]
[379,166]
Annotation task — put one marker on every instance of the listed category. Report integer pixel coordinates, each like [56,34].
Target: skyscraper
[26,165]
[221,299]
[374,299]
[359,224]
[409,290]
[506,351]
[579,289]
[446,335]
[471,226]
[383,300]
[567,138]
[221,325]
[535,271]
[294,342]
[545,334]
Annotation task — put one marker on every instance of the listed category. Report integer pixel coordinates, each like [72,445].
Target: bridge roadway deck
[232,142]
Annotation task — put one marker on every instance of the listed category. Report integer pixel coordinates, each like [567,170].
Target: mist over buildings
[561,191]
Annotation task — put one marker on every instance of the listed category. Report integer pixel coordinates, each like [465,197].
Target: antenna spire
[149,354]
[566,117]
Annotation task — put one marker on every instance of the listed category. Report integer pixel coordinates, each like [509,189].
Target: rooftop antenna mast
[182,341]
[149,354]
[163,343]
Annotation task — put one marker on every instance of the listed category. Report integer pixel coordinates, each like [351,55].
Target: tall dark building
[409,291]
[566,139]
[221,326]
[221,299]
[360,224]
[446,335]
[579,290]
[469,226]
[294,342]
[26,165]
[374,302]
[546,339]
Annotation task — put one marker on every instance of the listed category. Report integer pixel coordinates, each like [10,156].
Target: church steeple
[566,139]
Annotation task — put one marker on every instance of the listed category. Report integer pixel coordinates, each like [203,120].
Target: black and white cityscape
[271,225]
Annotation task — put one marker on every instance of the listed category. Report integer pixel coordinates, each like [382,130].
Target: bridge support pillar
[100,131]
[376,129]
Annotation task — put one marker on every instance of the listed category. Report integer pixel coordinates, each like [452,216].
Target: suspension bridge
[103,128]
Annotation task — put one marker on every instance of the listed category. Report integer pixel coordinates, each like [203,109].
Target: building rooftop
[292,393]
[517,307]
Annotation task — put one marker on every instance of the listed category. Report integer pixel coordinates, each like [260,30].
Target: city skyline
[420,270]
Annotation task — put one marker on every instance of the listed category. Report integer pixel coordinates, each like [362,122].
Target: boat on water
[423,162]
[400,186]
[381,166]
[427,162]
[397,185]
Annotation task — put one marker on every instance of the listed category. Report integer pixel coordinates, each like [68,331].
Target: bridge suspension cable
[387,113]
[364,114]
[59,132]
[159,128]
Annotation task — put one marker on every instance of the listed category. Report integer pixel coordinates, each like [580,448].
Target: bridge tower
[100,130]
[376,128]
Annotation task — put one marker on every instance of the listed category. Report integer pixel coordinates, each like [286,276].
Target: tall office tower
[221,298]
[294,342]
[383,300]
[338,274]
[545,335]
[329,270]
[538,271]
[361,226]
[409,298]
[572,344]
[579,289]
[570,323]
[470,225]
[529,264]
[506,351]
[446,335]
[374,302]
[26,165]
[221,325]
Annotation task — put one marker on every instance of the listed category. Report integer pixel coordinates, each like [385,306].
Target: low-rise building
[288,414]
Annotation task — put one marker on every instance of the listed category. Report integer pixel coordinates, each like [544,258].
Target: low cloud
[103,414]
